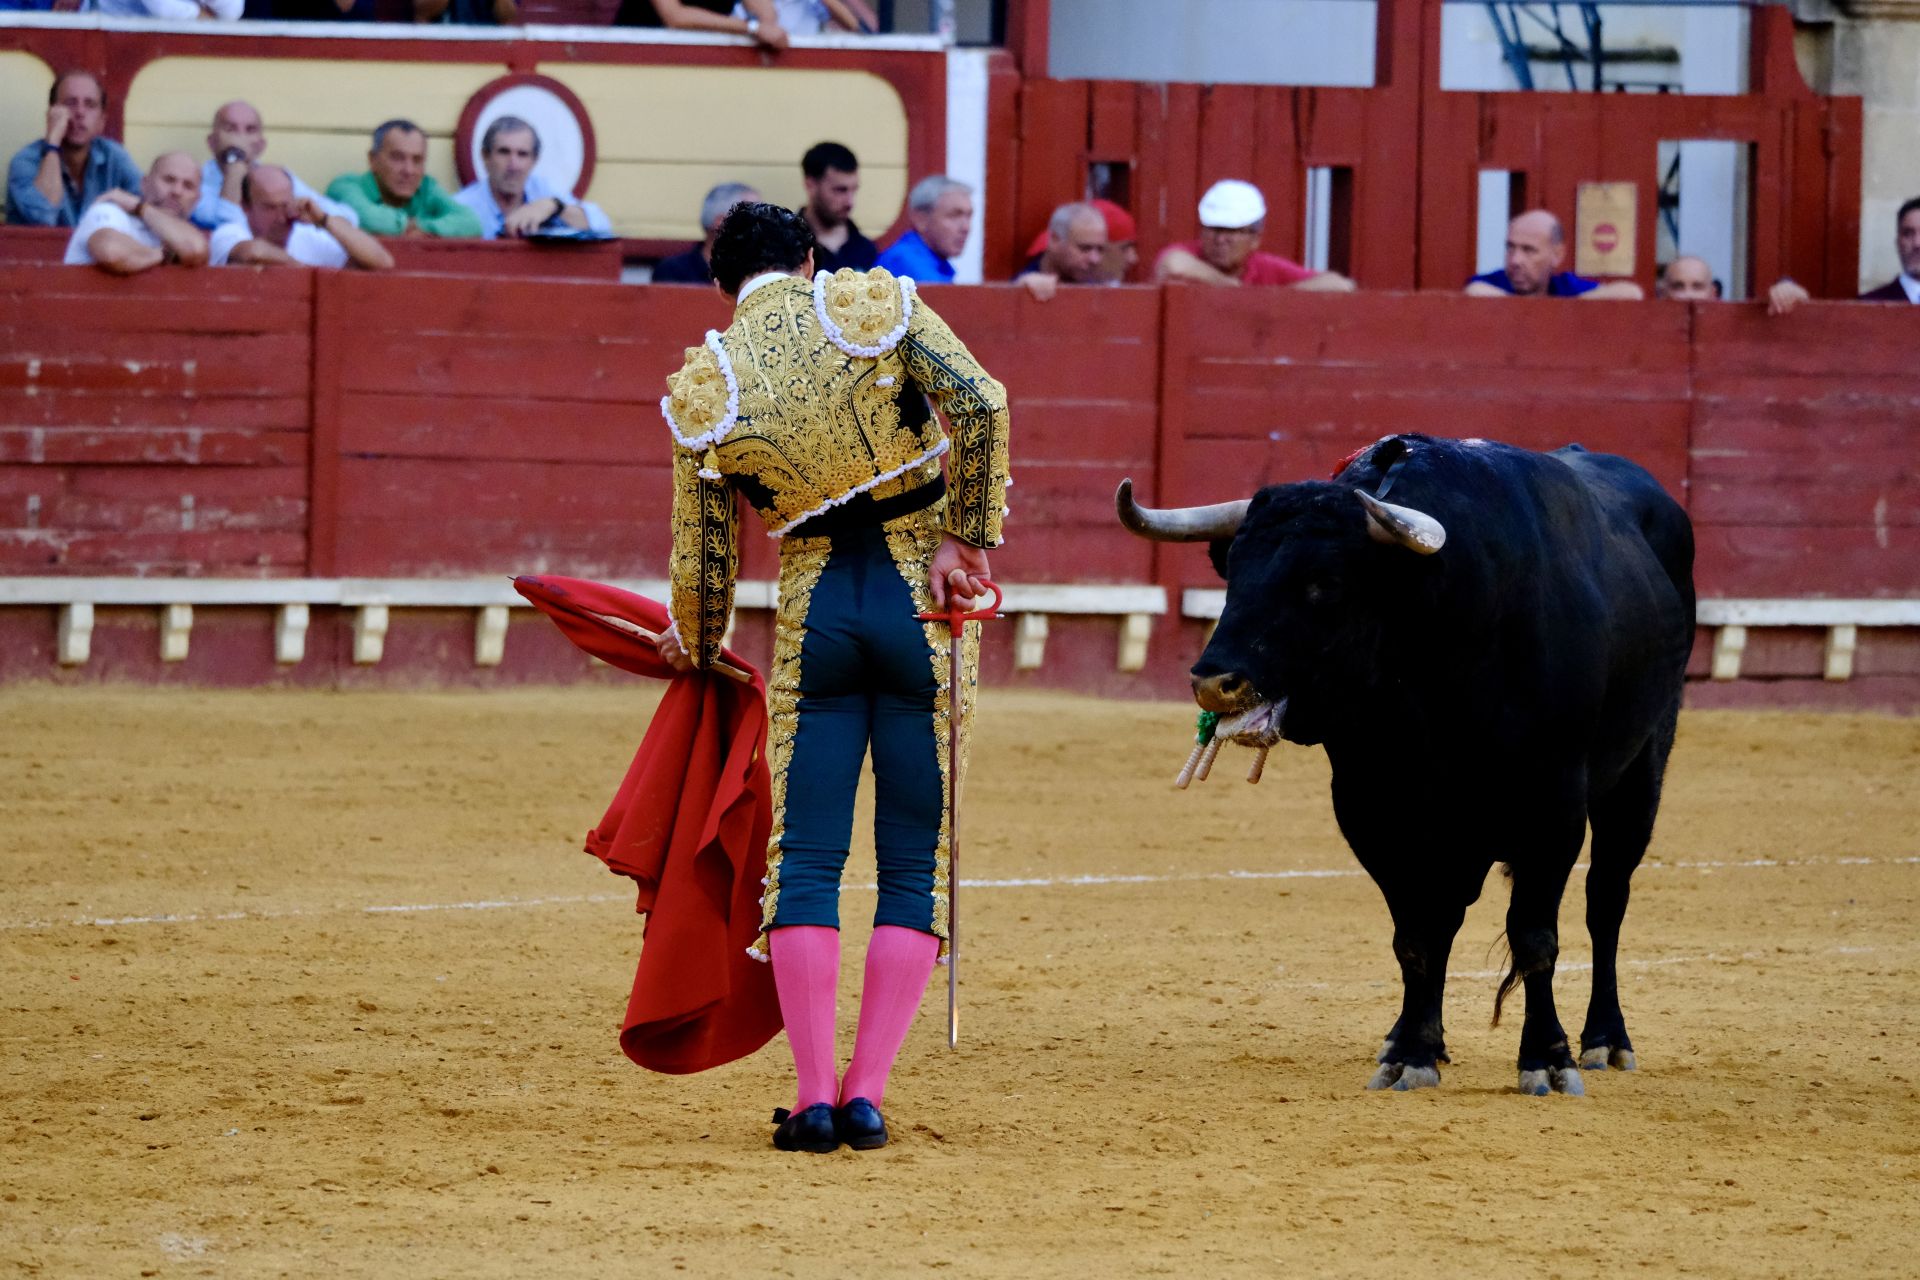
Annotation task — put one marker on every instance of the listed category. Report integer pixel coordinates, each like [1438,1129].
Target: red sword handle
[955,614]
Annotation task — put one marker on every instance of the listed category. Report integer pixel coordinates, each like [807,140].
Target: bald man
[1075,254]
[237,139]
[1536,248]
[124,234]
[288,230]
[1690,279]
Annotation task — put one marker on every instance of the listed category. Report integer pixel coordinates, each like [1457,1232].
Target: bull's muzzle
[1224,694]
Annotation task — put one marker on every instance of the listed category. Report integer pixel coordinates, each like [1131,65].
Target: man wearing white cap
[1232,215]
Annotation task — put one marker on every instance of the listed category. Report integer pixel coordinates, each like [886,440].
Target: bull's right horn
[1179,524]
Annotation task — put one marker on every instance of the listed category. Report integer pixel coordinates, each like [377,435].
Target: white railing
[373,601]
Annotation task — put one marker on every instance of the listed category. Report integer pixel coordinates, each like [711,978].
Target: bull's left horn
[1179,524]
[1403,526]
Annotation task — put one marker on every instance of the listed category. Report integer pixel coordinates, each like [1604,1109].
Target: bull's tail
[1507,984]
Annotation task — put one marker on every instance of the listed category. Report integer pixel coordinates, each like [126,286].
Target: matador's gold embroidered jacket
[814,395]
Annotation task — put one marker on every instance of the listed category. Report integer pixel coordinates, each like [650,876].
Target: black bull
[1493,659]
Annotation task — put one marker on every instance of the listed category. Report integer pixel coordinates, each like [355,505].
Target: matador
[816,406]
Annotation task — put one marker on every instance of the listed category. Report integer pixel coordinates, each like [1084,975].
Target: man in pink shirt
[1232,215]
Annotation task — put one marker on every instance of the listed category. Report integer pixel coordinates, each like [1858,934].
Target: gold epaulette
[703,398]
[864,313]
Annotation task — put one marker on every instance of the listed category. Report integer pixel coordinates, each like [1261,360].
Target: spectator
[468,13]
[1123,249]
[325,10]
[832,178]
[811,17]
[173,10]
[941,211]
[1075,253]
[1690,279]
[1904,287]
[513,200]
[1232,216]
[1535,249]
[51,181]
[236,141]
[759,22]
[284,228]
[124,234]
[396,197]
[695,266]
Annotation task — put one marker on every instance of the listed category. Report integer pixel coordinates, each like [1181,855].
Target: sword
[956,617]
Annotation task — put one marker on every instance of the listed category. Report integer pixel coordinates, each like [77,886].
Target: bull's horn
[1402,526]
[1179,524]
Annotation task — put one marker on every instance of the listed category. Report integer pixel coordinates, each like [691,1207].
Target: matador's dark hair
[755,238]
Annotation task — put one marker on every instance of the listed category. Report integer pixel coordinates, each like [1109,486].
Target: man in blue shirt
[512,200]
[1535,249]
[941,211]
[51,182]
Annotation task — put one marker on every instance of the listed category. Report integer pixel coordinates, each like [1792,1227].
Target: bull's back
[1636,507]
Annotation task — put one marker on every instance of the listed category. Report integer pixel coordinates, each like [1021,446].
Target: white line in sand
[1036,882]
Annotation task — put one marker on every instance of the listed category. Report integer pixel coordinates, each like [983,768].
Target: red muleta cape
[689,824]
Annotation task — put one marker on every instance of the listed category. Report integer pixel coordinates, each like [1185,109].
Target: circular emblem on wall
[557,116]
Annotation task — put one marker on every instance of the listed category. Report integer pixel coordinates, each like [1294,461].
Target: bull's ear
[1217,552]
[1402,526]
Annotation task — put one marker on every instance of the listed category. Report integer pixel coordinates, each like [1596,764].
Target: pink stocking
[806,975]
[899,962]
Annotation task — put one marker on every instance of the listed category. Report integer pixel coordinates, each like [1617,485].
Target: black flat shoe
[810,1130]
[860,1125]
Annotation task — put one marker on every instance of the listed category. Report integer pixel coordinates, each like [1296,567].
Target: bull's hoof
[1400,1077]
[1545,1080]
[1600,1057]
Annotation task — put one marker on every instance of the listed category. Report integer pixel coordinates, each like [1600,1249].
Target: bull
[1493,661]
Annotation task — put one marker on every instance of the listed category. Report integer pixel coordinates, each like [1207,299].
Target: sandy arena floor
[316,984]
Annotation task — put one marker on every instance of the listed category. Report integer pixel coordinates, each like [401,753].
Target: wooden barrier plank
[1421,331]
[166,364]
[502,427]
[70,445]
[1808,501]
[1842,342]
[53,313]
[1787,561]
[227,553]
[28,407]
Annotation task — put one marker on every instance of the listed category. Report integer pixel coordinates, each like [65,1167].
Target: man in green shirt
[396,197]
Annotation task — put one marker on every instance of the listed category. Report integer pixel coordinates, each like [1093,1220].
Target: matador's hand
[670,649]
[958,567]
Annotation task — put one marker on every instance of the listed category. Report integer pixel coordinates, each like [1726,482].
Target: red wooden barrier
[1082,373]
[154,427]
[290,423]
[476,426]
[1805,437]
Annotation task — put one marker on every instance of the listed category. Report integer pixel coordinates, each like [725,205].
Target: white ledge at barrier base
[373,601]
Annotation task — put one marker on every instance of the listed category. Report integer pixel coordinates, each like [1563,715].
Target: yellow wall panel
[663,135]
[666,135]
[24,81]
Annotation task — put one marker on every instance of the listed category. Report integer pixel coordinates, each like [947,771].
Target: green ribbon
[1203,730]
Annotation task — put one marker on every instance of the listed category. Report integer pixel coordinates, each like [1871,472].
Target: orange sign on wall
[1603,236]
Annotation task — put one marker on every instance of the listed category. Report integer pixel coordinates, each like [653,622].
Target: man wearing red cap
[1232,215]
[1090,242]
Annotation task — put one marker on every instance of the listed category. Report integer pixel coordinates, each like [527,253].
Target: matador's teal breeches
[853,669]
